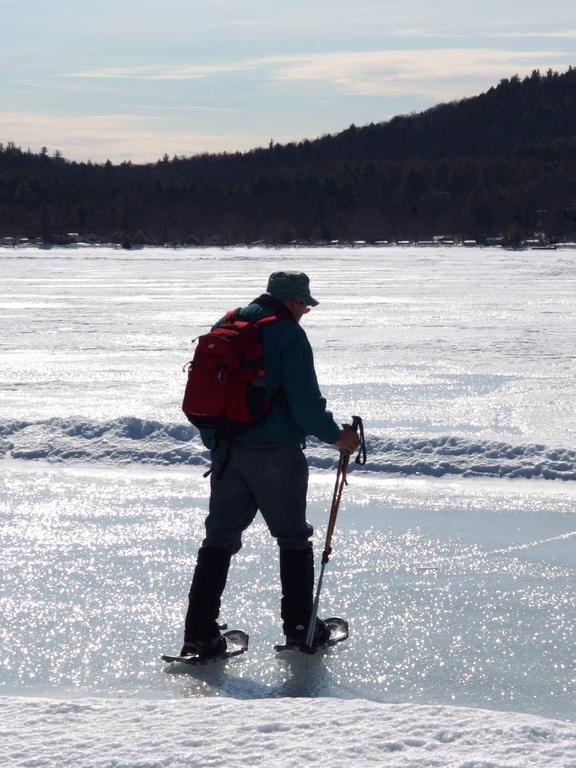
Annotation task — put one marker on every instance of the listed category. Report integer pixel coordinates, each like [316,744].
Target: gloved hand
[348,441]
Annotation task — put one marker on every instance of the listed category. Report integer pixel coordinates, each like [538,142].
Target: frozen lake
[454,556]
[457,591]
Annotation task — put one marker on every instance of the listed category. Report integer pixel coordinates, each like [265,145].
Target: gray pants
[269,478]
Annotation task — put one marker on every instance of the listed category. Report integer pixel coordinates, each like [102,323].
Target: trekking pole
[341,473]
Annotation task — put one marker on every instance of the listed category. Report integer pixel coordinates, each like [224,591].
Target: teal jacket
[297,406]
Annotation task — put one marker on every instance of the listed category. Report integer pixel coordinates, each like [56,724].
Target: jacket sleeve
[301,388]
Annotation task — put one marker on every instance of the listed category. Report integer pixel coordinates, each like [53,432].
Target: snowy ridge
[472,458]
[131,439]
[120,733]
[121,441]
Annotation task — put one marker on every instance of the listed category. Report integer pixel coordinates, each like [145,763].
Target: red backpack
[226,381]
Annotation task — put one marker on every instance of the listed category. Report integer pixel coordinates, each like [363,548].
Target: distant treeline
[479,166]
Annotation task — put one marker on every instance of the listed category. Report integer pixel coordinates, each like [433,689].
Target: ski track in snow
[92,733]
[133,440]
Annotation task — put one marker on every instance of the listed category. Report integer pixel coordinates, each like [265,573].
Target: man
[265,468]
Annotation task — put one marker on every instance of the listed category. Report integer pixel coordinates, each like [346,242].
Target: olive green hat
[290,285]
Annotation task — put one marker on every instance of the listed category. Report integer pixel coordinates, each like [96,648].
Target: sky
[137,79]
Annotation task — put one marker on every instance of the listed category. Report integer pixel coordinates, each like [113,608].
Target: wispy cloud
[420,33]
[561,34]
[437,73]
[247,24]
[184,108]
[167,72]
[114,137]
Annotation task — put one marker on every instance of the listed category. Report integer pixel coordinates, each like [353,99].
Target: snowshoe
[338,632]
[236,643]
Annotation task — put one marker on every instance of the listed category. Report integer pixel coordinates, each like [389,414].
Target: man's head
[293,288]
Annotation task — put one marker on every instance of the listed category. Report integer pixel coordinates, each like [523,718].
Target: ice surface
[457,592]
[459,581]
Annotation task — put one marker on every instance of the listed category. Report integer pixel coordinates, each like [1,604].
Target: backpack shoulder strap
[279,312]
[266,320]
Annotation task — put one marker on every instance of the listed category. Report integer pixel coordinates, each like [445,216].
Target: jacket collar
[278,307]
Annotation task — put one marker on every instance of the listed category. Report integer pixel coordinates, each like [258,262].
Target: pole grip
[358,427]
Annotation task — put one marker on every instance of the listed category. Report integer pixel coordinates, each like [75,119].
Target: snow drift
[92,733]
[130,439]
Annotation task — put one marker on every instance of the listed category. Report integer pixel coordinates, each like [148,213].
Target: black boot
[297,577]
[202,634]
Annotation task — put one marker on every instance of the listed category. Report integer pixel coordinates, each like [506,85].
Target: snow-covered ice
[454,556]
[95,733]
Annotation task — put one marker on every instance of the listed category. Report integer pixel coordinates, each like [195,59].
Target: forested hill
[478,166]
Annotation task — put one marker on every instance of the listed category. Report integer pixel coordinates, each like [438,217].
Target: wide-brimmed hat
[291,285]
